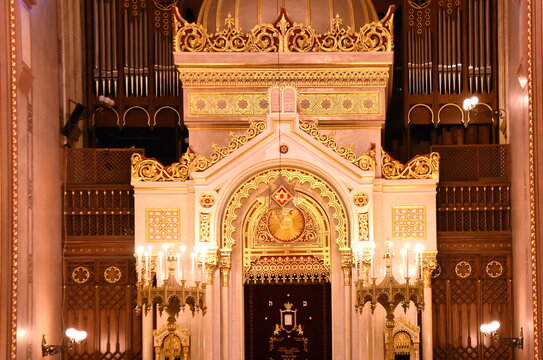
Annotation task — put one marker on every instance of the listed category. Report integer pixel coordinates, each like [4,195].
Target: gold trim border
[14,175]
[531,157]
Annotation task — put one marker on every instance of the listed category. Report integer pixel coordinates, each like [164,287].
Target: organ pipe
[136,36]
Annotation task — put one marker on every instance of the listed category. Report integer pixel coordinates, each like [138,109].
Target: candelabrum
[161,279]
[389,292]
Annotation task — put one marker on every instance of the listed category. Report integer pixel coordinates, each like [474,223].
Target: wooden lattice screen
[467,291]
[98,262]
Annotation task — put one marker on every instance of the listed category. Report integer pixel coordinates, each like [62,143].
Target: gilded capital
[346,265]
[429,264]
[225,263]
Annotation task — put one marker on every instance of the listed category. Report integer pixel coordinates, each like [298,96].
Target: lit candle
[178,269]
[356,259]
[192,258]
[418,251]
[146,254]
[204,256]
[149,257]
[404,262]
[165,247]
[159,276]
[139,252]
[372,265]
[407,246]
[183,248]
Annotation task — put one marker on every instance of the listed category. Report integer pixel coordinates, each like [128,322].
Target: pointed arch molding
[338,213]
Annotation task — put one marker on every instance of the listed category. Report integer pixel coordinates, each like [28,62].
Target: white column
[348,319]
[427,331]
[225,320]
[147,338]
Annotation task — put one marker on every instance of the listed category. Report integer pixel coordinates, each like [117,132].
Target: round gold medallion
[112,274]
[494,269]
[207,200]
[361,199]
[286,225]
[463,269]
[81,274]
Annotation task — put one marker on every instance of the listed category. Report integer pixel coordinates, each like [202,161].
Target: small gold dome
[317,13]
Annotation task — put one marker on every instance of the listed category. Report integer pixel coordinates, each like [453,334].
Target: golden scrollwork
[283,35]
[144,169]
[287,269]
[360,77]
[363,226]
[420,167]
[365,162]
[205,227]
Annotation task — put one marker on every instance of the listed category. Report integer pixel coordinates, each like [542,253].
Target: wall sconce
[470,103]
[490,331]
[475,108]
[75,336]
[106,101]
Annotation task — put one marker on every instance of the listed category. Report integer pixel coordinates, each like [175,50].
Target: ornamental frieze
[365,162]
[144,169]
[283,35]
[420,167]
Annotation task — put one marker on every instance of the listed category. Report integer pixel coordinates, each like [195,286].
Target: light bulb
[71,333]
[81,335]
[474,100]
[494,325]
[139,250]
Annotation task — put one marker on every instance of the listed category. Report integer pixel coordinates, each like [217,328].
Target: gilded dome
[317,13]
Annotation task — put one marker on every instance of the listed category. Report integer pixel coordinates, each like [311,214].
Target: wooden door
[288,322]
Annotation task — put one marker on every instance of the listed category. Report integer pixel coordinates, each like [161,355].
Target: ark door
[288,322]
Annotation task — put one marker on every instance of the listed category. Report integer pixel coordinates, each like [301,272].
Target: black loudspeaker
[70,129]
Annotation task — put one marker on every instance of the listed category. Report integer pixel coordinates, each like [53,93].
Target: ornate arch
[315,183]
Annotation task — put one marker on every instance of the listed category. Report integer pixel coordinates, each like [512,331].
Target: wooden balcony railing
[98,198]
[473,207]
[474,189]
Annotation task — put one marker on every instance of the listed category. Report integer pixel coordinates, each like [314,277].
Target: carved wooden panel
[91,211]
[469,290]
[100,298]
[99,166]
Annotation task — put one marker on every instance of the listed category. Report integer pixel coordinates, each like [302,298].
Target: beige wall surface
[33,209]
